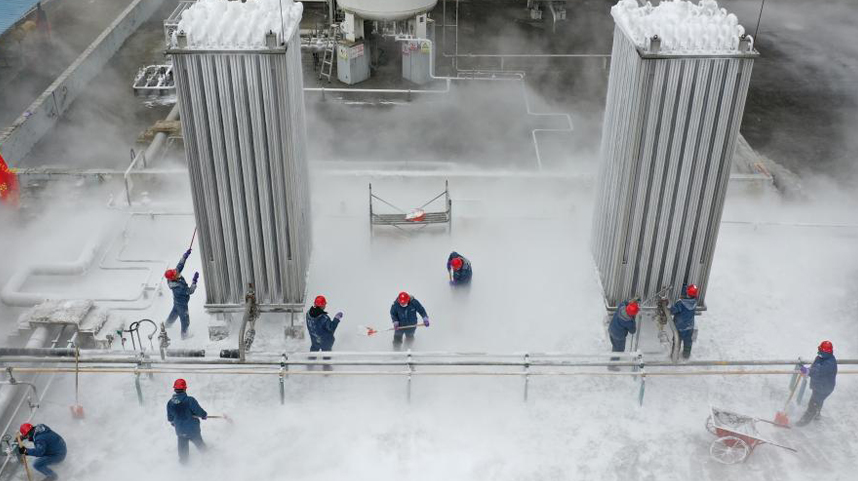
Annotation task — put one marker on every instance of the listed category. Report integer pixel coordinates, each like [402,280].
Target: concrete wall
[40,117]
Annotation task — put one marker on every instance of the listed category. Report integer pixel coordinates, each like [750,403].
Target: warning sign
[357,51]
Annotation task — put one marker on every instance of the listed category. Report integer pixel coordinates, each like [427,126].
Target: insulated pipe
[70,353]
[12,295]
[150,152]
[533,361]
[409,372]
[38,339]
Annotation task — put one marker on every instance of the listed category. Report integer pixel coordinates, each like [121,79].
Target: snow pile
[233,25]
[684,27]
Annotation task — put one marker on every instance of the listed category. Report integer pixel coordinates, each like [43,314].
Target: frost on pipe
[223,24]
[682,26]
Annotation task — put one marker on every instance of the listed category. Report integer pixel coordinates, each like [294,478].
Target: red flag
[8,184]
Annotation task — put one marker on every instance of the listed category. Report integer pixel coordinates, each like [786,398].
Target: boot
[812,412]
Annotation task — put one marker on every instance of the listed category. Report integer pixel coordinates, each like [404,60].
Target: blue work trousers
[180,312]
[42,464]
[617,345]
[685,337]
[197,439]
[409,336]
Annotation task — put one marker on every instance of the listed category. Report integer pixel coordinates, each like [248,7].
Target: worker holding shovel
[403,313]
[48,446]
[184,413]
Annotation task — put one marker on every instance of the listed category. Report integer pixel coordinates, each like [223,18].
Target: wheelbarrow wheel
[729,450]
[710,425]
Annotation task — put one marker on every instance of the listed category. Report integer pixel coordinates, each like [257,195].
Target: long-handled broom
[77,409]
[781,417]
[24,458]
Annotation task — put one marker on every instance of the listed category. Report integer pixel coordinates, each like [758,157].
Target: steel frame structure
[244,125]
[670,130]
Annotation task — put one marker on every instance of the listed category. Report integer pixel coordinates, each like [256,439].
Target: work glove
[196,276]
[187,253]
[804,370]
[338,316]
[395,325]
[22,450]
[426,321]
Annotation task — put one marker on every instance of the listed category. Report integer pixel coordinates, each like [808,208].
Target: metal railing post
[283,368]
[410,370]
[138,387]
[526,374]
[643,380]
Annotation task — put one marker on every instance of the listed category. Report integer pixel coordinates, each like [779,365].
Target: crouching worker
[184,413]
[48,446]
[622,324]
[321,327]
[823,375]
[459,269]
[181,294]
[683,316]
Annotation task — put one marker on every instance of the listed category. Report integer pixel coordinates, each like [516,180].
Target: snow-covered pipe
[38,339]
[12,295]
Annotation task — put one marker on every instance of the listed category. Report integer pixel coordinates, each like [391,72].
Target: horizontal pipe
[530,55]
[36,352]
[196,358]
[409,372]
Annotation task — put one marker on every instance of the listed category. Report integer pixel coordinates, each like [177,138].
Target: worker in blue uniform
[459,268]
[184,413]
[823,377]
[622,324]
[181,294]
[403,313]
[683,316]
[321,327]
[48,446]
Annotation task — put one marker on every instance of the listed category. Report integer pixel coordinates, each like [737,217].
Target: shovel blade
[781,419]
[77,411]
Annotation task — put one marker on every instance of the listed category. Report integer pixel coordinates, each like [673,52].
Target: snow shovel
[222,416]
[371,331]
[23,457]
[76,409]
[781,418]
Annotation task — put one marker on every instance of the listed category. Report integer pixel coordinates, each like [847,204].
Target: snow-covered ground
[775,292]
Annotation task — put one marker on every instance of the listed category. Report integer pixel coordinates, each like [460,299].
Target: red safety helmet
[25,429]
[457,263]
[180,385]
[633,309]
[320,302]
[403,298]
[171,274]
[691,290]
[826,346]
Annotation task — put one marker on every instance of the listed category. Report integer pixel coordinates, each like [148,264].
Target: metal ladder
[328,56]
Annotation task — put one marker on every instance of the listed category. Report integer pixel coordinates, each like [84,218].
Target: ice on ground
[684,27]
[231,25]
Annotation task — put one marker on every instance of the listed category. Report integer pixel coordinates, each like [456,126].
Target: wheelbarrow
[738,435]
